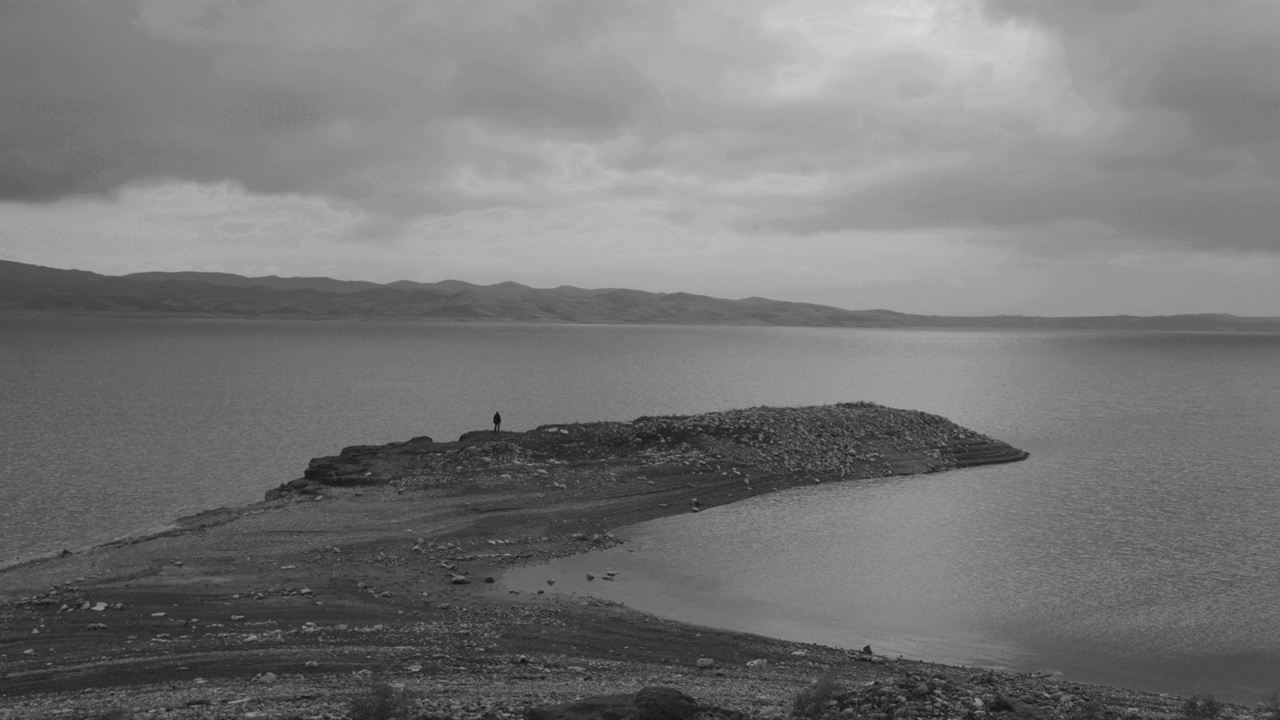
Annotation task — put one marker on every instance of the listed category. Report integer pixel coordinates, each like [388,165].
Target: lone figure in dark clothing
[497,421]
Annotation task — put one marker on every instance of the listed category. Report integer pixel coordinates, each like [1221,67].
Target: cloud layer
[1050,129]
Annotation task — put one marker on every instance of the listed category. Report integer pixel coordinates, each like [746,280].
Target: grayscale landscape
[594,360]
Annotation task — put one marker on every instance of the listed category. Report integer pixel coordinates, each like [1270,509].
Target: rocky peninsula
[376,578]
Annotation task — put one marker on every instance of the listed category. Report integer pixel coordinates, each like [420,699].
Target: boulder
[651,703]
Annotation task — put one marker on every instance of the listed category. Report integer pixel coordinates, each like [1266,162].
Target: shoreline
[380,564]
[415,320]
[179,524]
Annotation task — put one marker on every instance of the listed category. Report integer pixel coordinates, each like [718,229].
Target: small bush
[1201,707]
[812,701]
[663,704]
[1271,707]
[382,702]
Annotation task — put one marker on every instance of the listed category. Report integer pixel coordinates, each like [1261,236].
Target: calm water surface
[1139,545]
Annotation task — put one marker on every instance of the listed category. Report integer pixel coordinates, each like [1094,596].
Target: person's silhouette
[497,421]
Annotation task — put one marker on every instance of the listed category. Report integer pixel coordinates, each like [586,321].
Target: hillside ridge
[35,290]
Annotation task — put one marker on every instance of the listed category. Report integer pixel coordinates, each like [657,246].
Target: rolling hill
[35,290]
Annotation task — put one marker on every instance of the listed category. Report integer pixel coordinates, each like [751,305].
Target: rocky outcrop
[859,439]
[981,694]
[848,440]
[979,451]
[651,703]
[354,466]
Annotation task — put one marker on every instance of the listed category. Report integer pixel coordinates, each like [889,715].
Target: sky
[1025,157]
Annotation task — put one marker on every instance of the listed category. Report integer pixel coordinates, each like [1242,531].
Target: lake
[1138,545]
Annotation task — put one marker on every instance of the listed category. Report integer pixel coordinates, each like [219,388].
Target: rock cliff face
[849,440]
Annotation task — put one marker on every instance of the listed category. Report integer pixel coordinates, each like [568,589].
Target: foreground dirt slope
[378,565]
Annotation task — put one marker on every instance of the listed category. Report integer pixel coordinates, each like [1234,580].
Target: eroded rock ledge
[847,440]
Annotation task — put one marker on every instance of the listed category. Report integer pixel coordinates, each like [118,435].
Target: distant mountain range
[35,290]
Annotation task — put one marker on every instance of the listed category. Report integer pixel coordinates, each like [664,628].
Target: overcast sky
[944,157]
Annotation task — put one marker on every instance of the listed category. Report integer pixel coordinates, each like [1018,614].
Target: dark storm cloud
[1217,64]
[96,95]
[1184,145]
[1229,93]
[1157,121]
[1018,195]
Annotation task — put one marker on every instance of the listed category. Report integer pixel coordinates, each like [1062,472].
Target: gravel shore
[377,569]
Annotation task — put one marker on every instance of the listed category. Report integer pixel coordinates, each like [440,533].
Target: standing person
[497,421]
